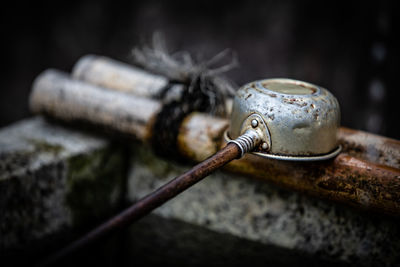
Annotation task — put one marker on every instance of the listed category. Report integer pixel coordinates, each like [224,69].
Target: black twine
[204,89]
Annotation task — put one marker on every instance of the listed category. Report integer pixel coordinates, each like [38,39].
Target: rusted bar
[366,181]
[370,147]
[346,179]
[155,199]
[366,174]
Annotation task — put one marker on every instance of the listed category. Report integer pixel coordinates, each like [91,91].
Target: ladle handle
[153,200]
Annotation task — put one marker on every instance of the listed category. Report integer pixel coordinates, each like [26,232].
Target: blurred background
[348,48]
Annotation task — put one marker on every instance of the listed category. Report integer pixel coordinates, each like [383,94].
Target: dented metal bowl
[297,120]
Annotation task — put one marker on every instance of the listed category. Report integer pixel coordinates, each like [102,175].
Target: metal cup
[297,120]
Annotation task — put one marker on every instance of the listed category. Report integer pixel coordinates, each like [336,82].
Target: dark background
[348,48]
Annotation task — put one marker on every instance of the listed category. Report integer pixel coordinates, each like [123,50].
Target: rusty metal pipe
[153,200]
[366,175]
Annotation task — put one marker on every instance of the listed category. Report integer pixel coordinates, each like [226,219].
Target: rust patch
[271,116]
[249,95]
[345,179]
[330,184]
[294,101]
[303,104]
[313,90]
[371,147]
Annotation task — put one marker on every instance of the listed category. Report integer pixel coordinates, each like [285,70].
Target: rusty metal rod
[153,200]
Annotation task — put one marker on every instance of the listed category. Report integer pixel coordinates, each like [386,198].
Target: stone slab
[54,178]
[256,211]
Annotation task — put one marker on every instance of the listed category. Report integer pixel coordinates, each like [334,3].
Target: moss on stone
[159,167]
[17,159]
[94,184]
[43,146]
[9,162]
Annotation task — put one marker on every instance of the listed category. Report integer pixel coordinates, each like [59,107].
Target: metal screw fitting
[254,123]
[264,146]
[247,141]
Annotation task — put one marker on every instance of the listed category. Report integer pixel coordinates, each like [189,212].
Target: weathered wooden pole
[109,73]
[56,94]
[153,200]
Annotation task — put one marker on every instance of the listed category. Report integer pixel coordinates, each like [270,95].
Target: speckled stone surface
[53,178]
[155,240]
[257,211]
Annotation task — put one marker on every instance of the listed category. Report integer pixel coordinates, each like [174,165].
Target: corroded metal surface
[370,147]
[302,118]
[56,94]
[345,179]
[366,181]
